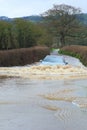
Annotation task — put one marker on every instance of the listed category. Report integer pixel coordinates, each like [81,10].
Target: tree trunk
[62,38]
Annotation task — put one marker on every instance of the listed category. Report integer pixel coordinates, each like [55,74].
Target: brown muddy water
[27,104]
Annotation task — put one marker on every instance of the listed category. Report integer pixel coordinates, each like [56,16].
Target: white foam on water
[45,72]
[80,102]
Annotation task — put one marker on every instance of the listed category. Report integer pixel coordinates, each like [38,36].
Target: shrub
[23,56]
[76,51]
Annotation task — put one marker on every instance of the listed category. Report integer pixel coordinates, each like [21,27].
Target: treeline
[12,34]
[65,27]
[59,27]
[21,34]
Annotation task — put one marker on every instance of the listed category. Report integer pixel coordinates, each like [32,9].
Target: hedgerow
[76,51]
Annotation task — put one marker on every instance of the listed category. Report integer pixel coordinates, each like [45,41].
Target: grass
[77,51]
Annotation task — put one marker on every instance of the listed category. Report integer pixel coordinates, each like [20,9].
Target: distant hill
[37,18]
[82,18]
[4,18]
[32,18]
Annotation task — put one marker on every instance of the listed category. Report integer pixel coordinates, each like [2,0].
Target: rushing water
[27,104]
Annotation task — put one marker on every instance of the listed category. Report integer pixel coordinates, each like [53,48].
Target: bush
[76,51]
[22,56]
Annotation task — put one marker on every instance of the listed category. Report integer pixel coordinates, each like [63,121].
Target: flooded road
[44,97]
[27,104]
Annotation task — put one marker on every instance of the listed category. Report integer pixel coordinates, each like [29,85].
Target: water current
[43,98]
[27,104]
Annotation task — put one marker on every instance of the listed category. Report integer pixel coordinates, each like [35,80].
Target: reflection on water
[43,104]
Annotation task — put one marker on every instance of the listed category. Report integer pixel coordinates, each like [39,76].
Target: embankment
[18,57]
[77,51]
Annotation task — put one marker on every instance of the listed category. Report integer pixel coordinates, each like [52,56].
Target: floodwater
[44,97]
[27,104]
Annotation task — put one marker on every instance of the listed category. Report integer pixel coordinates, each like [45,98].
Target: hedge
[76,51]
[23,56]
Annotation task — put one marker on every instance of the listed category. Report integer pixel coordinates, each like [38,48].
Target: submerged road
[53,103]
[73,70]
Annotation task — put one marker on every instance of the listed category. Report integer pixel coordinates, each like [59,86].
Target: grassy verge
[77,51]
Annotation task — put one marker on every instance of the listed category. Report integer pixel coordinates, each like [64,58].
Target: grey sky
[18,8]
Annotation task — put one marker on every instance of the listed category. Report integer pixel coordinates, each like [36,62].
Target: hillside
[82,18]
[33,18]
[36,18]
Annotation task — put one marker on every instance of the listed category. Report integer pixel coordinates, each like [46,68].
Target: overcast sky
[18,8]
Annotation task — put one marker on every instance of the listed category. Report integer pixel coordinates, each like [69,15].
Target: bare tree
[62,21]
